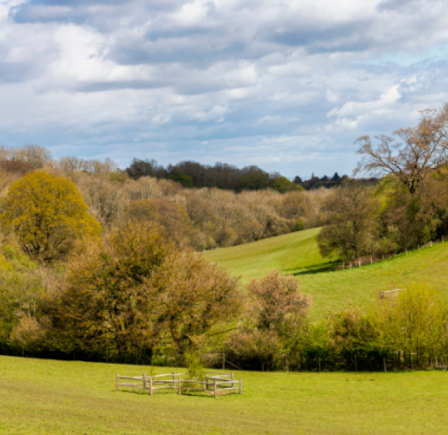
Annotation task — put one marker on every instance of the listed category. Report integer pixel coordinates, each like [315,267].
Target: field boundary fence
[376,361]
[372,259]
[215,383]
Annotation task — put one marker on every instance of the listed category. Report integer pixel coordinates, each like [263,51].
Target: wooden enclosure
[215,383]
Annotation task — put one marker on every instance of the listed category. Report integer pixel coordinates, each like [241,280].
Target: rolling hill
[331,289]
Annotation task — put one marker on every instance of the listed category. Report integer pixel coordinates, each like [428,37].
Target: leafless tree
[411,153]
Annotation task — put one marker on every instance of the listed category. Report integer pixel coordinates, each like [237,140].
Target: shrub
[414,322]
[135,292]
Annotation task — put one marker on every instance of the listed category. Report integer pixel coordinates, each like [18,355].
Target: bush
[299,225]
[135,293]
[277,318]
[415,322]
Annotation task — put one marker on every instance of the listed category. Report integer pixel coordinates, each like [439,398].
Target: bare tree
[104,197]
[411,154]
[34,155]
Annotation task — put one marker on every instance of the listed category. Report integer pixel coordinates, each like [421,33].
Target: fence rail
[215,383]
[363,261]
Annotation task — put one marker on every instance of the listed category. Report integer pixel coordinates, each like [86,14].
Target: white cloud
[242,81]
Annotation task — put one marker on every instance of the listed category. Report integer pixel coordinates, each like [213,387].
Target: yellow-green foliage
[46,213]
[386,190]
[413,322]
[21,287]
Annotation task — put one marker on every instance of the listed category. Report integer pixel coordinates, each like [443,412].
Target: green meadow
[298,254]
[57,397]
[71,397]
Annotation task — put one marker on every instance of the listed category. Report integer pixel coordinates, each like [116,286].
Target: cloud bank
[287,85]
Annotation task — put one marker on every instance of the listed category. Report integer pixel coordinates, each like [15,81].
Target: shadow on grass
[321,268]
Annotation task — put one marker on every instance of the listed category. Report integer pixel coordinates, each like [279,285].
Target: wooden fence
[364,261]
[216,383]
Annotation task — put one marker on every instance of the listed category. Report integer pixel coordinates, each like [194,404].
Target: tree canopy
[46,213]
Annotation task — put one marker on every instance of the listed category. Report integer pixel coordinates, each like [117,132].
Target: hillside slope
[289,253]
[331,289]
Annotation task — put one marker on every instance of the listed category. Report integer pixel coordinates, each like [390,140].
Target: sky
[287,85]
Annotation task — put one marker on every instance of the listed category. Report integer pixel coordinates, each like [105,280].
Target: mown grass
[289,253]
[298,254]
[57,397]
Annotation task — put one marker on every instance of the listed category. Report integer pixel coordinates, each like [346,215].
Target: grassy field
[298,254]
[56,397]
[289,253]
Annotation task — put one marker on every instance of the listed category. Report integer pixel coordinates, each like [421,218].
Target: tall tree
[410,153]
[135,291]
[352,222]
[46,213]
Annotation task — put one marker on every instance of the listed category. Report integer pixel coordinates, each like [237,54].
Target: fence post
[117,382]
[144,381]
[359,262]
[384,364]
[319,364]
[223,360]
[371,260]
[232,379]
[206,382]
[216,393]
[241,385]
[150,385]
[180,389]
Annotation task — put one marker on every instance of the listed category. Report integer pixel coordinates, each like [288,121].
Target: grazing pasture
[70,397]
[331,289]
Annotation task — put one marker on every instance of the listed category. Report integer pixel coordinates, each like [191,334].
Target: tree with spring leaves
[277,315]
[352,216]
[134,292]
[414,322]
[46,213]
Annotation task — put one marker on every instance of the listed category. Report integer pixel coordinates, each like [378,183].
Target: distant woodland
[249,204]
[101,262]
[228,177]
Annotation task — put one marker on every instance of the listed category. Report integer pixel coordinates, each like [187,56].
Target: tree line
[224,176]
[407,208]
[200,218]
[97,265]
